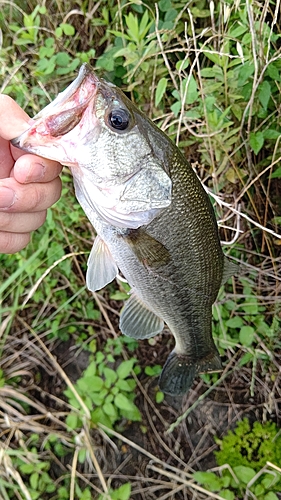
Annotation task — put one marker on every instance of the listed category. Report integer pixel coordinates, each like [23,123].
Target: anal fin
[102,268]
[139,322]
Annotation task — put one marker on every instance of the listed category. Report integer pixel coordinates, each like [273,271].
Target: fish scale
[154,220]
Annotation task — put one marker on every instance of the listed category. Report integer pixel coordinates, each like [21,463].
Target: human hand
[29,184]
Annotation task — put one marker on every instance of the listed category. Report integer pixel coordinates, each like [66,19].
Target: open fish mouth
[92,128]
[70,110]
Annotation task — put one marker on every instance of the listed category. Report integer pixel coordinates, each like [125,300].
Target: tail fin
[179,372]
[177,375]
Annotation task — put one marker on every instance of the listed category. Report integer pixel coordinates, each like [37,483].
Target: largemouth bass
[154,220]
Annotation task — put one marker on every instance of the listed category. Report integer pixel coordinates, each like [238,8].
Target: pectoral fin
[101,266]
[149,251]
[139,322]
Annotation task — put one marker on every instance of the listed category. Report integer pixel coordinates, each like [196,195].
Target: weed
[245,458]
[121,493]
[108,393]
[251,446]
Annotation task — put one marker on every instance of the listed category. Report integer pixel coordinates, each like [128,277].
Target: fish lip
[85,72]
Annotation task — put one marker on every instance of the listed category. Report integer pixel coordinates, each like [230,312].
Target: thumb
[14,120]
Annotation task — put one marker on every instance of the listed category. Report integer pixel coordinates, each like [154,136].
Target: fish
[153,218]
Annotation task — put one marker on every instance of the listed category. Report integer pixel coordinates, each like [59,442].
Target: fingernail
[36,172]
[7,197]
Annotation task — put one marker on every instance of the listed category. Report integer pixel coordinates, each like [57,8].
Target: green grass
[211,79]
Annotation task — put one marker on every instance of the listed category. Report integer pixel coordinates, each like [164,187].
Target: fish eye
[119,119]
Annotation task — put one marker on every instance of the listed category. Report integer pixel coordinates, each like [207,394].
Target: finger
[36,197]
[21,222]
[6,159]
[13,242]
[14,120]
[33,168]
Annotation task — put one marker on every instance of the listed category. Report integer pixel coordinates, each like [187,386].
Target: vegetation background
[81,416]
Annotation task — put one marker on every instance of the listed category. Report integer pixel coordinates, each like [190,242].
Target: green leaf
[67,29]
[151,371]
[58,32]
[91,370]
[227,494]
[160,90]
[264,93]
[244,474]
[181,65]
[236,31]
[26,468]
[193,113]
[273,72]
[28,21]
[250,308]
[106,61]
[123,403]
[192,93]
[133,26]
[125,368]
[72,421]
[213,72]
[276,174]
[159,397]
[259,490]
[208,479]
[110,410]
[144,25]
[215,58]
[165,5]
[247,335]
[245,358]
[98,415]
[34,480]
[235,322]
[256,141]
[270,496]
[119,295]
[271,134]
[62,58]
[82,455]
[122,493]
[86,495]
[245,72]
[123,385]
[110,375]
[176,107]
[171,15]
[90,384]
